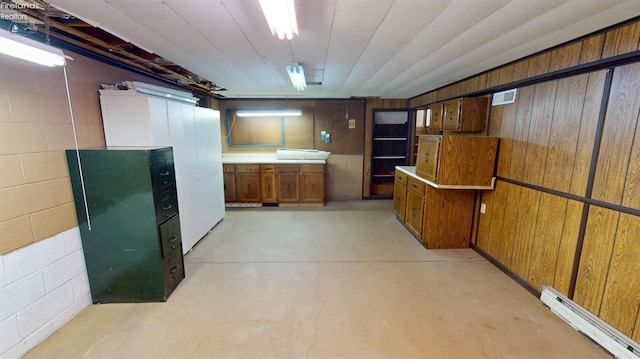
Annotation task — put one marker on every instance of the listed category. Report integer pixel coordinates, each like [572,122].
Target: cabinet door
[268,187]
[230,191]
[313,187]
[414,211]
[428,153]
[248,187]
[435,118]
[289,187]
[399,200]
[451,120]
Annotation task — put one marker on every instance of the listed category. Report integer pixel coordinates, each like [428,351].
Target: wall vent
[504,97]
[588,324]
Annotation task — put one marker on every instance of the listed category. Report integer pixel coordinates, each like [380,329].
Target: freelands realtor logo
[11,11]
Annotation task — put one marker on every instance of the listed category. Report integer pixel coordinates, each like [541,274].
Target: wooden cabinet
[414,206]
[268,183]
[248,182]
[130,229]
[457,160]
[448,218]
[400,195]
[312,184]
[289,183]
[462,114]
[229,176]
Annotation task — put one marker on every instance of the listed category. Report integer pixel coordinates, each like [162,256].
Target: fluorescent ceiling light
[281,17]
[296,74]
[267,113]
[30,50]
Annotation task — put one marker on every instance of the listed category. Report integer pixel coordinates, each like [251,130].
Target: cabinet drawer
[288,168]
[313,168]
[162,170]
[166,203]
[173,268]
[170,238]
[268,168]
[401,177]
[415,185]
[227,168]
[250,168]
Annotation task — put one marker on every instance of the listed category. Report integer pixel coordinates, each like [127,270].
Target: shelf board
[389,138]
[389,157]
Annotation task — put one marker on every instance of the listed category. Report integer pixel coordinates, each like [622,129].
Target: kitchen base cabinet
[288,184]
[415,206]
[268,184]
[448,218]
[130,229]
[229,178]
[312,184]
[400,195]
[248,183]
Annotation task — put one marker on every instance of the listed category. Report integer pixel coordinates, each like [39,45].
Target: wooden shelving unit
[391,133]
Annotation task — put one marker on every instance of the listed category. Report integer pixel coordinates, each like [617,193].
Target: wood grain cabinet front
[289,183]
[466,114]
[415,206]
[313,188]
[457,160]
[268,183]
[248,182]
[229,177]
[400,194]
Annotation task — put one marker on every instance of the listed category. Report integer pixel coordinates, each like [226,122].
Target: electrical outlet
[483,208]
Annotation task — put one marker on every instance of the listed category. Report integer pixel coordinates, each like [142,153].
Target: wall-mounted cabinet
[390,143]
[462,114]
[457,160]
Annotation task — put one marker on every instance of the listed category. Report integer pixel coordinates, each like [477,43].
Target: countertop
[259,158]
[411,171]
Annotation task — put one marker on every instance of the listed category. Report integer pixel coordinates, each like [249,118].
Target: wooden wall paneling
[508,118]
[636,329]
[622,291]
[587,132]
[565,56]
[483,226]
[525,98]
[509,227]
[506,74]
[591,49]
[482,81]
[524,236]
[520,70]
[568,246]
[564,133]
[547,239]
[631,193]
[537,142]
[493,78]
[495,120]
[496,221]
[621,40]
[539,64]
[617,137]
[595,258]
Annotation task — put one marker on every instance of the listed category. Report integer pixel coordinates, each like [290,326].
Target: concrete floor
[343,281]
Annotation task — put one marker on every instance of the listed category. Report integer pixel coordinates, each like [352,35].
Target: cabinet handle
[167,207]
[173,239]
[166,173]
[289,187]
[313,189]
[414,185]
[174,269]
[269,187]
[249,187]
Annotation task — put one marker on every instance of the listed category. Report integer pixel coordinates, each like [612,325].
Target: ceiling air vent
[504,97]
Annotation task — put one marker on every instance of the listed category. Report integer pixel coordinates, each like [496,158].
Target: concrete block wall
[42,286]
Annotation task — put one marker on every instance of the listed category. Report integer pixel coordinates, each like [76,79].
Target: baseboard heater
[611,339]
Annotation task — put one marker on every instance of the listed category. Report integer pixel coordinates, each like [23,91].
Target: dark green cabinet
[130,225]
